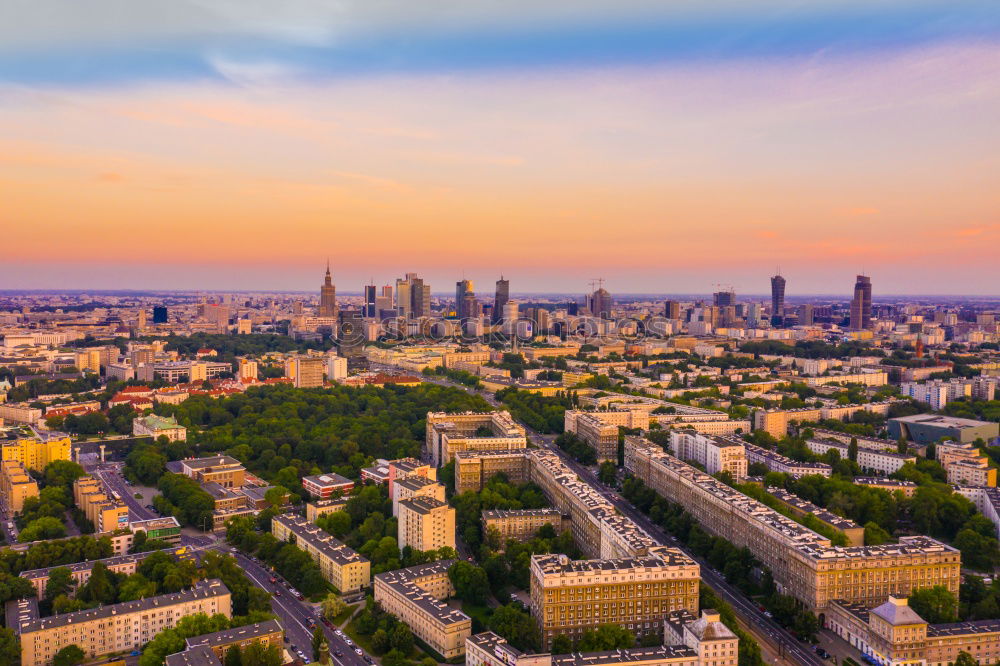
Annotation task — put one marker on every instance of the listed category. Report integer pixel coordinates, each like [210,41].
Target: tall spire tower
[328,295]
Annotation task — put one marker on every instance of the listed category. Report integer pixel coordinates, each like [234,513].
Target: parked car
[822,653]
[359,652]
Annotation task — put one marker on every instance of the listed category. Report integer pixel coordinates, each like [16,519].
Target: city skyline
[640,143]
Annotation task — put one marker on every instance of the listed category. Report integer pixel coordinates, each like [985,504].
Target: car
[367,658]
[822,653]
[339,632]
[277,593]
[768,614]
[359,651]
[286,639]
[273,579]
[349,642]
[338,653]
[294,649]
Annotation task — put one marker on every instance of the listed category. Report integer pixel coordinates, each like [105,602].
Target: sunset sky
[664,146]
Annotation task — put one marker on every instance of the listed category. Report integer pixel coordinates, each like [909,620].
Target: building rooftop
[497,514]
[941,420]
[227,636]
[422,504]
[319,539]
[897,612]
[203,590]
[404,582]
[415,482]
[154,422]
[328,480]
[89,564]
[198,656]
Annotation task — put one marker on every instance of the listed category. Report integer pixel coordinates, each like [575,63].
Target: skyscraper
[370,296]
[413,297]
[724,298]
[777,300]
[328,296]
[463,288]
[861,305]
[672,309]
[383,301]
[500,299]
[600,303]
[159,314]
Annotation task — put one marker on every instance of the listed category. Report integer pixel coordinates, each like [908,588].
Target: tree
[71,655]
[100,587]
[515,624]
[965,659]
[233,656]
[852,450]
[607,473]
[256,654]
[332,606]
[42,528]
[318,642]
[401,638]
[875,535]
[470,581]
[561,644]
[605,637]
[380,641]
[935,604]
[60,582]
[10,648]
[276,495]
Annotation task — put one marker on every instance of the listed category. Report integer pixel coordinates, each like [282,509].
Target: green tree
[875,535]
[100,587]
[965,659]
[516,625]
[233,656]
[380,641]
[256,654]
[562,644]
[401,638]
[42,528]
[10,648]
[470,582]
[71,655]
[607,473]
[332,606]
[318,642]
[605,637]
[61,582]
[935,604]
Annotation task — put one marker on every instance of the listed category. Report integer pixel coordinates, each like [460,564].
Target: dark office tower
[420,297]
[724,298]
[370,296]
[807,315]
[463,288]
[159,314]
[328,296]
[672,310]
[861,305]
[600,304]
[500,299]
[777,300]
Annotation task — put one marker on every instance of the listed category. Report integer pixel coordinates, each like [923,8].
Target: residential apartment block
[414,596]
[37,451]
[520,524]
[16,485]
[322,507]
[869,460]
[776,462]
[114,628]
[965,465]
[569,597]
[119,564]
[211,649]
[893,633]
[715,454]
[474,468]
[341,566]
[102,506]
[804,564]
[415,486]
[688,641]
[425,523]
[448,434]
[600,429]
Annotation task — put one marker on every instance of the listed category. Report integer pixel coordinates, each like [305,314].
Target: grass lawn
[480,615]
[364,642]
[339,619]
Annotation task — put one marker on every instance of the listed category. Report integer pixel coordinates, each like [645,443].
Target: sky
[662,146]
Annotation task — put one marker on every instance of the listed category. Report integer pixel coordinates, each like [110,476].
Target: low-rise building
[908,488]
[869,460]
[322,507]
[103,507]
[930,428]
[324,486]
[154,426]
[341,566]
[115,628]
[425,523]
[448,434]
[520,524]
[80,571]
[854,533]
[893,633]
[414,596]
[227,471]
[776,462]
[198,649]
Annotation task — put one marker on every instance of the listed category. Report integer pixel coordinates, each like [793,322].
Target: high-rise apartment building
[305,371]
[327,296]
[425,523]
[777,300]
[861,305]
[500,299]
